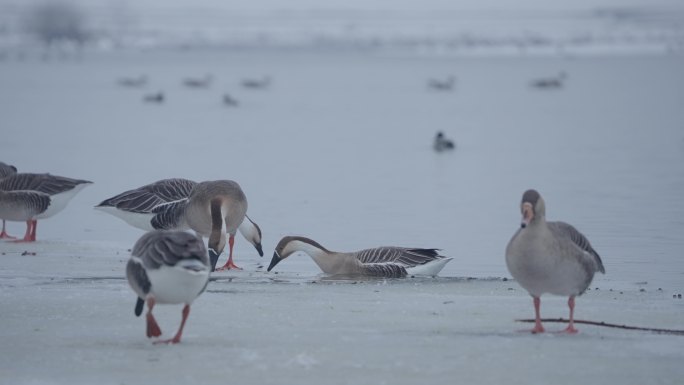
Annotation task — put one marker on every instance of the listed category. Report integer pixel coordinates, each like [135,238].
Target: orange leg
[176,339]
[229,265]
[30,234]
[538,328]
[3,234]
[153,329]
[33,231]
[571,323]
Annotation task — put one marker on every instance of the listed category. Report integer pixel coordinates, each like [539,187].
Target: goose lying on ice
[389,261]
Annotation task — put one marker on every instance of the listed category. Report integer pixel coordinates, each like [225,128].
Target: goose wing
[18,204]
[566,230]
[399,255]
[157,248]
[387,269]
[169,215]
[45,183]
[146,198]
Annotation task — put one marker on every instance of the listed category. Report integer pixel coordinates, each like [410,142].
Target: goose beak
[213,258]
[274,261]
[259,249]
[527,215]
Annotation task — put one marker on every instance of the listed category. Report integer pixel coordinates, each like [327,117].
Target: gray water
[338,148]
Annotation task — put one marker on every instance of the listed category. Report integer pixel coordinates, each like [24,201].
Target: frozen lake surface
[338,149]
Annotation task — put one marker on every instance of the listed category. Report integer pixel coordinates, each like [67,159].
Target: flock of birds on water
[170,263]
[436,84]
[194,83]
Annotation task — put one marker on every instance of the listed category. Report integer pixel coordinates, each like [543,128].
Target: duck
[30,197]
[442,84]
[5,171]
[134,82]
[211,206]
[157,97]
[550,257]
[161,205]
[167,267]
[441,143]
[256,83]
[549,82]
[387,261]
[203,82]
[230,101]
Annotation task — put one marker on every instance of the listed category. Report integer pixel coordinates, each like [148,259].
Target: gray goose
[167,267]
[550,257]
[24,198]
[387,261]
[210,206]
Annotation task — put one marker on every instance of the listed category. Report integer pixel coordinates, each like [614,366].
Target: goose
[135,82]
[167,267]
[24,198]
[230,101]
[257,83]
[157,97]
[441,143]
[388,261]
[198,82]
[550,257]
[549,82]
[5,171]
[161,206]
[442,85]
[212,204]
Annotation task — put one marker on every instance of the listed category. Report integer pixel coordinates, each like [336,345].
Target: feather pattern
[169,216]
[146,198]
[45,183]
[561,229]
[157,248]
[22,205]
[7,170]
[388,270]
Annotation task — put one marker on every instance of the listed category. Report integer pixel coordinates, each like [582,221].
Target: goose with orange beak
[550,257]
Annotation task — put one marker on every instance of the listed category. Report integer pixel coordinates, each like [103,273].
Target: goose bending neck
[216,236]
[314,249]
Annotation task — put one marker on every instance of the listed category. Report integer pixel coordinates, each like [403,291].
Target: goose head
[290,244]
[252,233]
[532,207]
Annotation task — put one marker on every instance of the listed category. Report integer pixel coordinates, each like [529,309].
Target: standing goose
[19,203]
[167,267]
[550,257]
[5,171]
[388,261]
[161,206]
[212,204]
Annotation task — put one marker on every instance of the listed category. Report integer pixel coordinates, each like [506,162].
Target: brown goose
[388,261]
[212,204]
[161,206]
